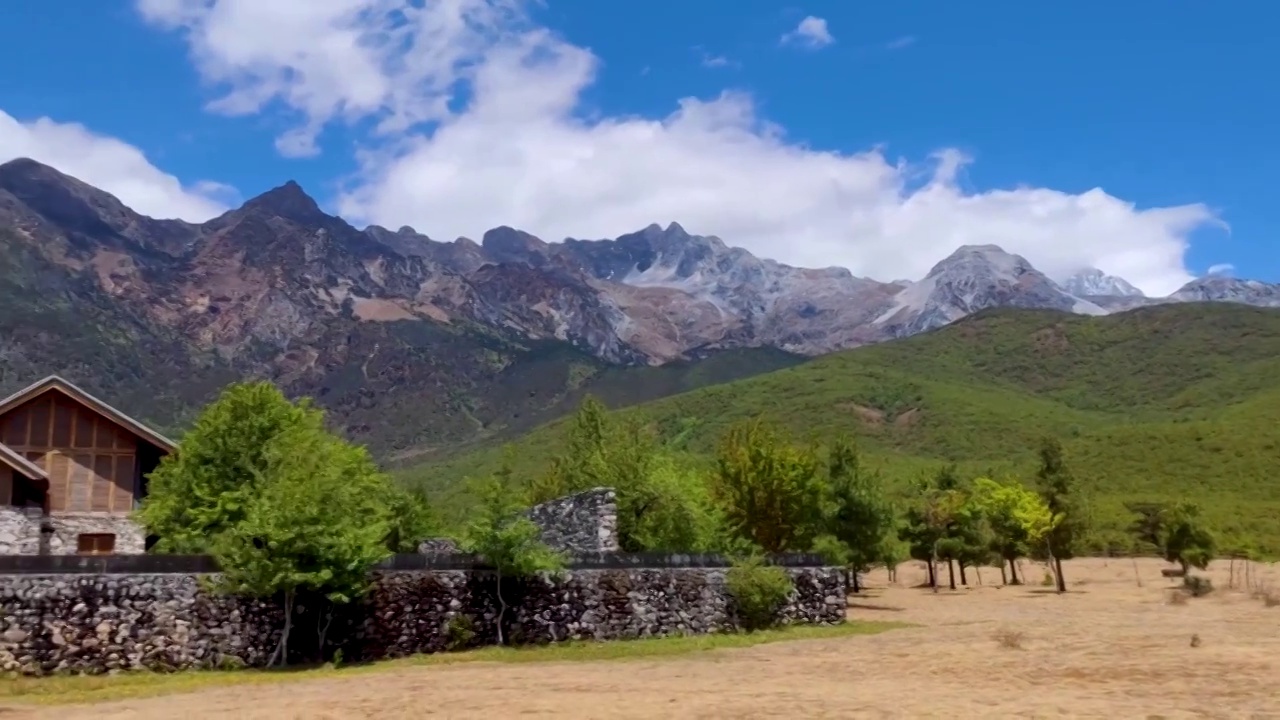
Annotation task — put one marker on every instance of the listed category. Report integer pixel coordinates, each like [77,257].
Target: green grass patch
[75,689]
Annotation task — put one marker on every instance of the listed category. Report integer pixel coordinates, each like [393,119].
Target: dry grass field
[1107,649]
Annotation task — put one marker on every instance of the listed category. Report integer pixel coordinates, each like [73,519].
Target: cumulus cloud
[112,165]
[1222,269]
[811,32]
[489,129]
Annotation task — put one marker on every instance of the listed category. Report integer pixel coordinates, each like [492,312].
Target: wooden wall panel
[13,427]
[82,434]
[122,497]
[107,436]
[104,470]
[100,498]
[41,421]
[64,416]
[6,485]
[64,493]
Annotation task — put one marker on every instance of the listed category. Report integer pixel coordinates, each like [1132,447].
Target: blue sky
[1158,104]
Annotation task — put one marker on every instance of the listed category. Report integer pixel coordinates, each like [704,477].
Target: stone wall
[97,623]
[20,531]
[581,524]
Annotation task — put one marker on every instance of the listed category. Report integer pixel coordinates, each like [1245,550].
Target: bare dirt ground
[1106,649]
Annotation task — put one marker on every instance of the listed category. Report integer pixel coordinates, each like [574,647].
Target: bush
[459,633]
[1197,585]
[759,592]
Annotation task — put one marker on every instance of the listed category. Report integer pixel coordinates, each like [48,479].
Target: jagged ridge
[374,321]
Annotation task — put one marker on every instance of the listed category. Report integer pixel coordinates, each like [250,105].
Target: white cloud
[811,32]
[900,43]
[337,59]
[513,147]
[112,165]
[715,61]
[1222,269]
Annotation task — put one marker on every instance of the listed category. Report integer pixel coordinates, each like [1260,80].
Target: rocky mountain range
[412,342]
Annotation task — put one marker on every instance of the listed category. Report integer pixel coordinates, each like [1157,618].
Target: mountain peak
[506,244]
[63,199]
[24,166]
[31,175]
[290,202]
[1093,282]
[974,259]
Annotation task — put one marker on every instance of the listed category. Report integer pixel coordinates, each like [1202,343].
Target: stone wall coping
[201,564]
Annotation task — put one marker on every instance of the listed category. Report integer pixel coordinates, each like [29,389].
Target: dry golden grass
[1109,648]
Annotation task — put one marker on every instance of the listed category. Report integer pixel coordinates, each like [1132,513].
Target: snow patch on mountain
[1092,281]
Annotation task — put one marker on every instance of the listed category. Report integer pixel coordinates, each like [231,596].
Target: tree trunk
[853,575]
[1013,572]
[933,568]
[322,630]
[1062,581]
[978,569]
[502,609]
[951,574]
[1004,576]
[282,648]
[964,578]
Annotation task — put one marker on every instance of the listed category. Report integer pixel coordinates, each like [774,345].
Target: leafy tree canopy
[205,488]
[770,491]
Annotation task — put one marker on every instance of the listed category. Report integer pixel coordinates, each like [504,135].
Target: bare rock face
[1092,282]
[377,324]
[976,277]
[1228,289]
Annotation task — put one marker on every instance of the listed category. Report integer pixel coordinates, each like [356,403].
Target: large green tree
[770,490]
[410,519]
[205,488]
[508,541]
[1176,531]
[859,516]
[662,505]
[1062,496]
[935,522]
[1017,518]
[316,524]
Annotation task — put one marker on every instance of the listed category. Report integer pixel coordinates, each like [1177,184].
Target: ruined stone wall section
[585,523]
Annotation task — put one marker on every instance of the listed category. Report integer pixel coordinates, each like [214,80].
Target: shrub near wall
[92,623]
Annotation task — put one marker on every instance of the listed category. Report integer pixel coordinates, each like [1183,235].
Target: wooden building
[73,468]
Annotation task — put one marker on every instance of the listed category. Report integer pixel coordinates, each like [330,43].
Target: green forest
[1170,404]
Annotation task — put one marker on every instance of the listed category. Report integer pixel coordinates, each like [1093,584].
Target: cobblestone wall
[98,623]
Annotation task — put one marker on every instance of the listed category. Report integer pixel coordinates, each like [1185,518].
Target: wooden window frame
[96,544]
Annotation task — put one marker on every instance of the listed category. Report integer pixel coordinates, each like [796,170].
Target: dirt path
[1108,649]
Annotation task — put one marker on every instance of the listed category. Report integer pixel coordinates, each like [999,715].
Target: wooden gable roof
[19,464]
[53,383]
